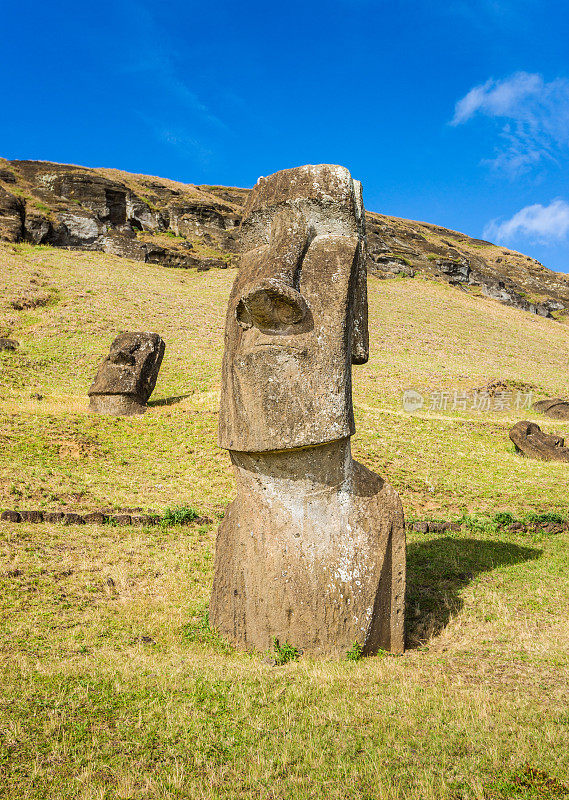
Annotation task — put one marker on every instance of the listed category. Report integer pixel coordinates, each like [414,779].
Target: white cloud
[499,98]
[534,118]
[544,224]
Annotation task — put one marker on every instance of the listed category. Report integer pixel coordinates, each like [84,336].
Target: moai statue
[312,550]
[128,375]
[529,439]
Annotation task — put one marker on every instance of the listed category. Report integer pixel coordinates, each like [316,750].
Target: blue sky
[453,112]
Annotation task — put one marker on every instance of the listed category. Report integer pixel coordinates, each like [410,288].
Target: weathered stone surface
[11,216]
[312,550]
[557,408]
[77,229]
[10,516]
[53,516]
[31,516]
[8,344]
[530,440]
[121,519]
[128,375]
[95,518]
[71,518]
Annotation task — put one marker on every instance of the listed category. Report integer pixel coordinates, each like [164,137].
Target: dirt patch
[26,302]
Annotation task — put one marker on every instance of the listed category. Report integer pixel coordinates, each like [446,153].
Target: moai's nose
[271,306]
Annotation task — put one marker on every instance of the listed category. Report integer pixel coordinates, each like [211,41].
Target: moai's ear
[360,333]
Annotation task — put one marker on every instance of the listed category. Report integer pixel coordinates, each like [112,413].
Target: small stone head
[130,372]
[297,314]
[529,439]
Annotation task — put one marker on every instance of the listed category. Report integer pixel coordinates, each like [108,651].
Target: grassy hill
[114,686]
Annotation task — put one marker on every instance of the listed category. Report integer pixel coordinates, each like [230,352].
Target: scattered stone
[288,432]
[454,526]
[36,397]
[95,518]
[71,518]
[529,439]
[31,516]
[10,516]
[128,375]
[8,344]
[145,520]
[553,527]
[210,263]
[517,527]
[557,408]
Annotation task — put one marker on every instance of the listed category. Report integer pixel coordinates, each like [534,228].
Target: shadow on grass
[437,571]
[167,401]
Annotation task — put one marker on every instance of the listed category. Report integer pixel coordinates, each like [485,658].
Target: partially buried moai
[128,375]
[312,550]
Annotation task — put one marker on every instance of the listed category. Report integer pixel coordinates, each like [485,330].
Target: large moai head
[297,314]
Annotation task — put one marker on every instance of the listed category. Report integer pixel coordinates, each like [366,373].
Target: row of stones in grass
[102,518]
[546,523]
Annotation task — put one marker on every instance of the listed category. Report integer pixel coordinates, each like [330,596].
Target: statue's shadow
[168,401]
[437,571]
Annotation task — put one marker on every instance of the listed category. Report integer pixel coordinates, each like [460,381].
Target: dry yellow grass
[424,335]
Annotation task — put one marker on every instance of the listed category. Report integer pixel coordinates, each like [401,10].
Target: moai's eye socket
[272,307]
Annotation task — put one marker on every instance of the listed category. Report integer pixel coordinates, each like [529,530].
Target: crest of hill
[162,221]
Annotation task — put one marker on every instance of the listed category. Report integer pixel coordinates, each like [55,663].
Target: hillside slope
[113,683]
[161,221]
[66,307]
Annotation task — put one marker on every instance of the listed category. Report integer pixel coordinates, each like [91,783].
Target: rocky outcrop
[11,216]
[183,225]
[399,248]
[135,216]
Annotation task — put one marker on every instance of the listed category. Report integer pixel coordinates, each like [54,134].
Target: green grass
[114,684]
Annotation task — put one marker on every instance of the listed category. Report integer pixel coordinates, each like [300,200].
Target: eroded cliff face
[182,225]
[404,247]
[136,216]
